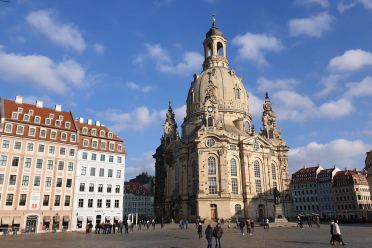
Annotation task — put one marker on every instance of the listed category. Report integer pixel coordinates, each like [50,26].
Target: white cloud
[313,26]
[362,88]
[322,3]
[191,61]
[366,3]
[335,109]
[254,46]
[268,85]
[133,86]
[137,165]
[255,105]
[41,71]
[343,6]
[63,34]
[329,84]
[99,48]
[340,152]
[351,60]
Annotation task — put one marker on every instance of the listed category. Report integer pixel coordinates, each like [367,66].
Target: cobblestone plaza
[172,237]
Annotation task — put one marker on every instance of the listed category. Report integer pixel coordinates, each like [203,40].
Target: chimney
[98,124]
[89,121]
[19,99]
[39,104]
[58,107]
[81,120]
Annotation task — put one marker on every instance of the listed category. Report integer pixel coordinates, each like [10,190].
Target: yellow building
[220,167]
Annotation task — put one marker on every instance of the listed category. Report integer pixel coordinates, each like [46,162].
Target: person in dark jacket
[200,230]
[241,226]
[332,241]
[209,235]
[217,233]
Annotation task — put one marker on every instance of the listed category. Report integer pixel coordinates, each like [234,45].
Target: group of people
[310,220]
[184,224]
[210,232]
[117,227]
[336,233]
[248,223]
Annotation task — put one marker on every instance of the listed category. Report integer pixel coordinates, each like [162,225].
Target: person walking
[126,226]
[252,227]
[200,230]
[337,232]
[331,224]
[248,224]
[266,225]
[217,233]
[241,226]
[209,235]
[309,221]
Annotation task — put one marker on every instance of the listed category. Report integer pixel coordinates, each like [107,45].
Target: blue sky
[120,62]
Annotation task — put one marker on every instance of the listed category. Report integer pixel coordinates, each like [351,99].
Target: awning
[17,220]
[80,218]
[56,218]
[108,218]
[116,218]
[89,218]
[66,218]
[5,220]
[46,218]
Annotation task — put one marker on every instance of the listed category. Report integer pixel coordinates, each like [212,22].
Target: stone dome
[220,88]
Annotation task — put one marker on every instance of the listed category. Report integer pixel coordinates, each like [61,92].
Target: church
[220,167]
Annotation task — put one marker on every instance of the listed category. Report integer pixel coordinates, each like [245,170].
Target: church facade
[220,166]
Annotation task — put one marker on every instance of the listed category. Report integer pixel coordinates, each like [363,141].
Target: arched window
[233,168]
[220,49]
[209,50]
[271,134]
[273,171]
[238,209]
[194,169]
[237,93]
[85,130]
[247,127]
[210,121]
[256,167]
[211,166]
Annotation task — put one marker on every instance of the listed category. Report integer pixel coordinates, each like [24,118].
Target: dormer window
[72,137]
[60,117]
[95,144]
[67,124]
[103,145]
[26,117]
[53,135]
[58,123]
[110,134]
[47,121]
[19,130]
[31,112]
[85,143]
[8,128]
[93,132]
[102,133]
[15,115]
[112,146]
[20,110]
[51,116]
[85,130]
[63,136]
[120,148]
[37,119]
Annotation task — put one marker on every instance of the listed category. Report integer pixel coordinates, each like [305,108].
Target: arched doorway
[214,215]
[261,212]
[31,224]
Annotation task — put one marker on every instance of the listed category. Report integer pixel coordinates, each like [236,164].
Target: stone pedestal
[279,218]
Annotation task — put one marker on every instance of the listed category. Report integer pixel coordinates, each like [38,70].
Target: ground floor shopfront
[82,218]
[35,221]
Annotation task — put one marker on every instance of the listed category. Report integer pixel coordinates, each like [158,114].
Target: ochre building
[220,166]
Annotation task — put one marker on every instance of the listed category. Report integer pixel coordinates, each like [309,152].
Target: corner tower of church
[220,167]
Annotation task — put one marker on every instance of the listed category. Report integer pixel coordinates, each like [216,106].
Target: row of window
[36,181]
[98,203]
[93,132]
[39,163]
[349,206]
[102,157]
[37,119]
[103,145]
[306,199]
[40,149]
[42,132]
[305,192]
[99,189]
[312,207]
[101,172]
[23,197]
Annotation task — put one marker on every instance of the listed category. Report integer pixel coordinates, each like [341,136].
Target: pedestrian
[200,230]
[241,226]
[252,227]
[317,221]
[162,223]
[337,232]
[113,228]
[186,223]
[121,226]
[248,224]
[267,226]
[217,233]
[309,221]
[153,224]
[209,235]
[87,228]
[331,224]
[126,226]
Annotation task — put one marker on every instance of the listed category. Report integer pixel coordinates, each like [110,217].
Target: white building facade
[99,180]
